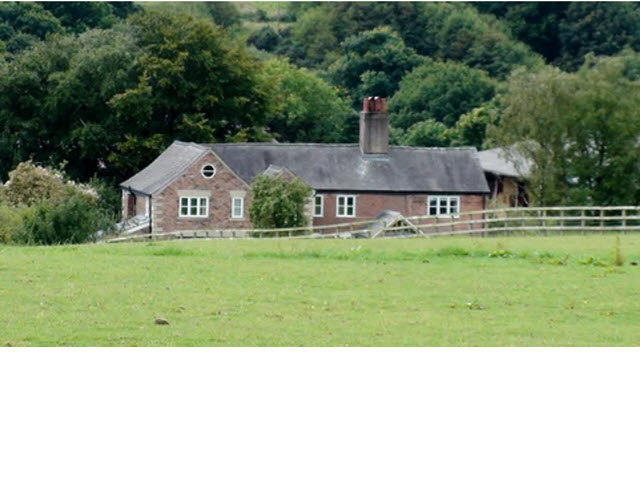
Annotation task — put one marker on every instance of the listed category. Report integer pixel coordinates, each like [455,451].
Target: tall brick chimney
[374,126]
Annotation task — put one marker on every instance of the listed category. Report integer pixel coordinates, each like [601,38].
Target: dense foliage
[564,32]
[579,130]
[373,63]
[39,206]
[278,202]
[441,91]
[98,89]
[304,107]
[107,101]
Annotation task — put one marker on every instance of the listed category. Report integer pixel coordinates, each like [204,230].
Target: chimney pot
[374,126]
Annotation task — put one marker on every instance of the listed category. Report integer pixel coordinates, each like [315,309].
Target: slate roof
[330,167]
[169,165]
[503,162]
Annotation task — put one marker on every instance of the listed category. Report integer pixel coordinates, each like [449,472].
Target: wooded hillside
[99,89]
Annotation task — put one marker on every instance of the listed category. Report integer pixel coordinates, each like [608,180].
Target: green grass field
[517,291]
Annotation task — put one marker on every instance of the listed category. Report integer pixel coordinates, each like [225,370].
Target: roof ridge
[409,147]
[190,144]
[270,144]
[329,145]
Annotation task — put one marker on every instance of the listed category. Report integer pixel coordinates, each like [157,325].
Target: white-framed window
[208,171]
[197,207]
[237,207]
[443,205]
[318,206]
[346,206]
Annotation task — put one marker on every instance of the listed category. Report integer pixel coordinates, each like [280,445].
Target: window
[346,206]
[208,170]
[444,205]
[318,206]
[237,207]
[194,207]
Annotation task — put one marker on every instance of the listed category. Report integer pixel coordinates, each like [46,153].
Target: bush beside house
[278,202]
[38,206]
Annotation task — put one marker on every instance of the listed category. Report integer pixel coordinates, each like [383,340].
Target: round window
[208,171]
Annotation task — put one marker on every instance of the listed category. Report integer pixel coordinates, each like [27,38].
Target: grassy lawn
[517,291]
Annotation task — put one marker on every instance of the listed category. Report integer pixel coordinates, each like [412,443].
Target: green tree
[471,127]
[536,24]
[80,16]
[278,202]
[446,31]
[108,101]
[428,133]
[23,24]
[603,126]
[533,120]
[564,32]
[580,132]
[193,84]
[313,33]
[225,14]
[439,90]
[264,39]
[54,100]
[304,107]
[373,63]
[598,27]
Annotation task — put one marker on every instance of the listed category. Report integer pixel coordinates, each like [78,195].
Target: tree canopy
[441,91]
[108,101]
[99,89]
[305,108]
[373,63]
[580,131]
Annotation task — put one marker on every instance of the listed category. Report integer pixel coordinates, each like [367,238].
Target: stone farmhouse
[208,186]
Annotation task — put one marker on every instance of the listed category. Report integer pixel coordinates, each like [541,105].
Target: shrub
[278,202]
[37,206]
[10,224]
[29,184]
[75,219]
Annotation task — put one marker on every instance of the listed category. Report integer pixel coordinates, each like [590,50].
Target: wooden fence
[502,221]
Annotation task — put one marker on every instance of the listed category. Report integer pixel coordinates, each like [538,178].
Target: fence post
[470,225]
[601,220]
[582,215]
[624,220]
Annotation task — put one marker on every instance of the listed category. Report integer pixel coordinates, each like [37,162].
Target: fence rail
[502,221]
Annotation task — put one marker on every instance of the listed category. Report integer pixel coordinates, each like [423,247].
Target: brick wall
[219,189]
[225,184]
[368,205]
